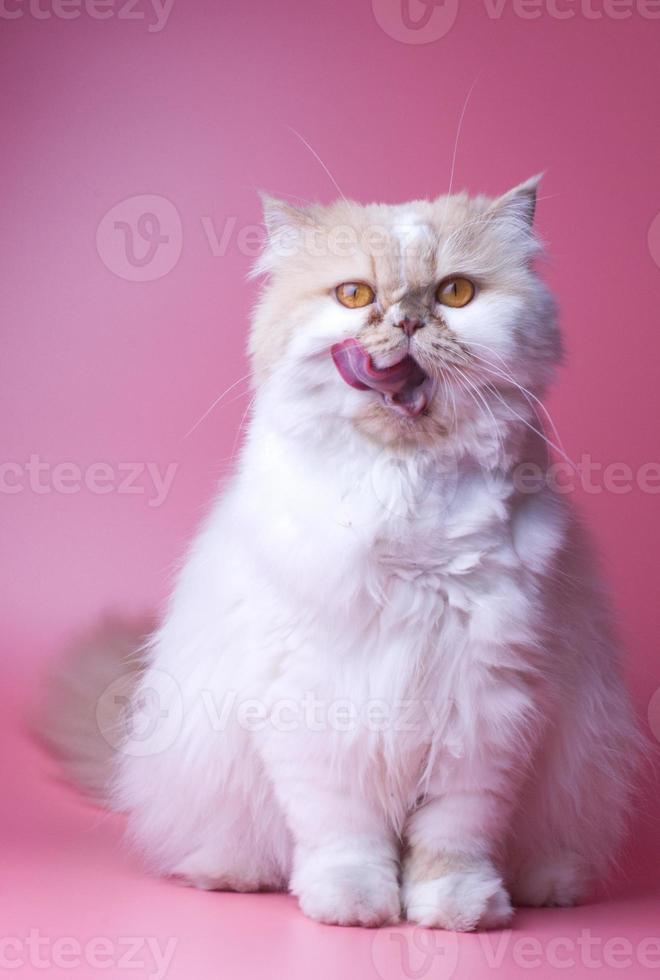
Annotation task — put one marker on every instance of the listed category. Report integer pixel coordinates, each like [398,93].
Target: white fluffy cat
[386,678]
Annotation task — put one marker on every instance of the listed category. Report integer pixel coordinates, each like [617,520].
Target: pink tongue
[400,382]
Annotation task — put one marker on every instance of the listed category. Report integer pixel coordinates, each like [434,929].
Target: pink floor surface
[75,903]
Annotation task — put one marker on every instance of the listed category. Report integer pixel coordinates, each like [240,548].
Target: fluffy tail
[86,706]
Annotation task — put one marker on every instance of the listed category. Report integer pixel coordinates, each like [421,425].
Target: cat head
[405,321]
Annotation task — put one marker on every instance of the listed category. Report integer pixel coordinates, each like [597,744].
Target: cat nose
[410,324]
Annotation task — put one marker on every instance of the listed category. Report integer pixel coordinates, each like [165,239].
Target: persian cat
[386,679]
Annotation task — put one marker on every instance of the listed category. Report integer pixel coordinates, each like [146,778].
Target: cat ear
[281,217]
[519,203]
[285,229]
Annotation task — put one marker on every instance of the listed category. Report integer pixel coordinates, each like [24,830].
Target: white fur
[460,901]
[418,585]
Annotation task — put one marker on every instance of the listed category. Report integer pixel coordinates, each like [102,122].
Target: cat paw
[460,901]
[559,881]
[348,895]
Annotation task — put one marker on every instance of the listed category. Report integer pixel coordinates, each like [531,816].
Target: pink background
[98,368]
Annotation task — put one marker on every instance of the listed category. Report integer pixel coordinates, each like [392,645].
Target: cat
[386,679]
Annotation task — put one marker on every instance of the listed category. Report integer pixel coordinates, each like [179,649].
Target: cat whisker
[532,428]
[317,157]
[455,151]
[449,391]
[216,402]
[508,376]
[486,406]
[531,400]
[239,430]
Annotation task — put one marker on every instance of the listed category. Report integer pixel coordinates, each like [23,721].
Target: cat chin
[382,422]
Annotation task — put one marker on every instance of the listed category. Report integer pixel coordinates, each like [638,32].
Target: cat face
[392,315]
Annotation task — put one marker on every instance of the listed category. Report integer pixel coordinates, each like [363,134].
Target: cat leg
[345,859]
[452,874]
[453,889]
[573,813]
[545,866]
[347,878]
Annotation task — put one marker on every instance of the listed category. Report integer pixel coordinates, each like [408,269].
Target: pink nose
[409,324]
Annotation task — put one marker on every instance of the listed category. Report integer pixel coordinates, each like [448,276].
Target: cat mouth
[403,386]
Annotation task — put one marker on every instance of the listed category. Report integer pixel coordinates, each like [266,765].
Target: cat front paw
[461,901]
[350,895]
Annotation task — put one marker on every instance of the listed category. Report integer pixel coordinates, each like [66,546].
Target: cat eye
[355,294]
[455,291]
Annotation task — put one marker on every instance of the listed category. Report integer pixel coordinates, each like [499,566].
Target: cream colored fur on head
[386,679]
[403,252]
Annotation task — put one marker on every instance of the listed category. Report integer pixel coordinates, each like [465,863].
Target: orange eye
[456,291]
[355,294]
